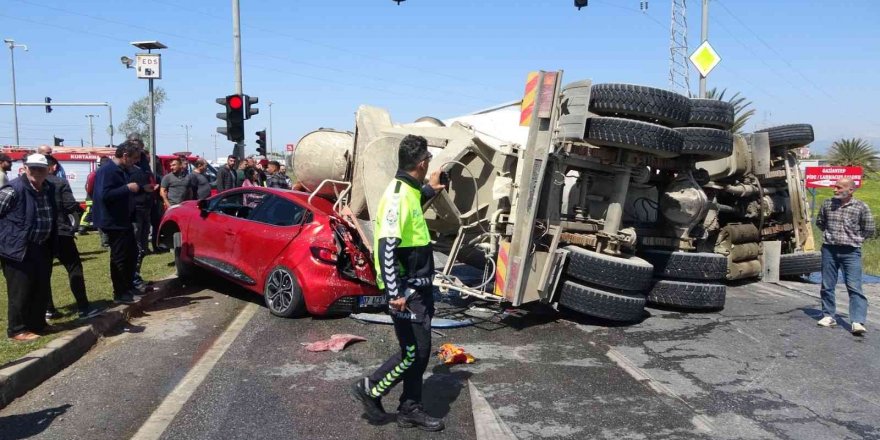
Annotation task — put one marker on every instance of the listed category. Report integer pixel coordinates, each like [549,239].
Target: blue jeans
[848,259]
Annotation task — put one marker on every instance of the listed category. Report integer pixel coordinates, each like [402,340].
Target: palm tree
[855,152]
[741,115]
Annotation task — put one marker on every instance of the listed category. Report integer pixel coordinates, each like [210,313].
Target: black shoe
[90,312]
[417,417]
[126,299]
[372,405]
[53,314]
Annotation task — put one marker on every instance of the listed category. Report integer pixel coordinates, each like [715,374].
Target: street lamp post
[91,130]
[11,43]
[187,127]
[270,127]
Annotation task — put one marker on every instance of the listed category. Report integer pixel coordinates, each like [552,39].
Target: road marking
[486,421]
[700,421]
[165,413]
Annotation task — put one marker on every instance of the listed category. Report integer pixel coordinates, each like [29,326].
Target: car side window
[278,211]
[238,204]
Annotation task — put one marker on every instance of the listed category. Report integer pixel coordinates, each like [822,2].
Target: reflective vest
[400,216]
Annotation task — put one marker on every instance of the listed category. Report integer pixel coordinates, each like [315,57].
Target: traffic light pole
[238,150]
[71,104]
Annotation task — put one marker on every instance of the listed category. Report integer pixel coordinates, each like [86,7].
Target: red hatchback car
[299,255]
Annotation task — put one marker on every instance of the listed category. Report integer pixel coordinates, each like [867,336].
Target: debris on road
[336,343]
[452,354]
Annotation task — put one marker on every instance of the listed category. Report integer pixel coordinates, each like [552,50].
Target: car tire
[789,136]
[800,263]
[283,294]
[600,303]
[640,102]
[185,271]
[712,113]
[706,143]
[687,295]
[634,135]
[632,273]
[703,266]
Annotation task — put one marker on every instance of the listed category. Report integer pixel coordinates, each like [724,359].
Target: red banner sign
[826,177]
[290,147]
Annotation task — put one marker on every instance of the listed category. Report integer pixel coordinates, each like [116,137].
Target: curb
[28,372]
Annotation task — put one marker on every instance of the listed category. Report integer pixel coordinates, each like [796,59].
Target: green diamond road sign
[705,59]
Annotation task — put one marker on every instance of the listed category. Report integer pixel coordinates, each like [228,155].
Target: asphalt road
[759,369]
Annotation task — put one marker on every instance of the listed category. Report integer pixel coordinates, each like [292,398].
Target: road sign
[290,147]
[705,58]
[826,177]
[149,65]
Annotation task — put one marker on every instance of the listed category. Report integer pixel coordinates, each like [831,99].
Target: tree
[138,117]
[741,112]
[855,152]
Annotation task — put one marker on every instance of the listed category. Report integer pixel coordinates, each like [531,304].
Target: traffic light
[581,3]
[248,102]
[261,142]
[57,141]
[234,117]
[48,107]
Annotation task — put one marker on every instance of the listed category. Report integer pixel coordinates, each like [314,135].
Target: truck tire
[789,136]
[711,113]
[640,102]
[800,263]
[601,304]
[706,143]
[634,135]
[702,266]
[687,295]
[618,273]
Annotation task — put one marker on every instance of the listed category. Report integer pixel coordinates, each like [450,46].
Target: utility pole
[216,152]
[679,66]
[704,36]
[91,130]
[11,43]
[238,150]
[270,127]
[187,127]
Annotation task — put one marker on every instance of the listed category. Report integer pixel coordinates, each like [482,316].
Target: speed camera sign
[149,66]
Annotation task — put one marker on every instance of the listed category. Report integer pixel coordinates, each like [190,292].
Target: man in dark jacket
[143,210]
[113,211]
[27,237]
[226,176]
[276,179]
[66,207]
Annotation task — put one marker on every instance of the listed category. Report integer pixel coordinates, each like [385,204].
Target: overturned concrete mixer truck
[560,215]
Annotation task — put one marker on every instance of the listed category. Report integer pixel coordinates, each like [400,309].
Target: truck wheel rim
[280,290]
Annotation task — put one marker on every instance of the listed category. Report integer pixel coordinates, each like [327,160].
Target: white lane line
[700,421]
[165,413]
[486,421]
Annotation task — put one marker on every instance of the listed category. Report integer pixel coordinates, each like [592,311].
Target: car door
[214,236]
[272,226]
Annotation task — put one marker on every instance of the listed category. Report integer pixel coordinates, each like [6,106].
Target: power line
[767,45]
[252,52]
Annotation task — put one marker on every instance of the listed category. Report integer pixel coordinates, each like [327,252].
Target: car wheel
[706,143]
[711,113]
[601,304]
[789,136]
[800,263]
[631,273]
[640,102]
[687,265]
[185,271]
[634,135]
[687,295]
[283,295]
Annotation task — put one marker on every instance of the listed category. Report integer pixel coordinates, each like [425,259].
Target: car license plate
[372,301]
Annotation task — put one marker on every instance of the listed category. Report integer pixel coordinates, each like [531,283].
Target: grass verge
[96,269]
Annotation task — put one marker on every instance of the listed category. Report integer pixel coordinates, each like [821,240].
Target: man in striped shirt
[845,223]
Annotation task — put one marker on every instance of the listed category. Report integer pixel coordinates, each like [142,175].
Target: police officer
[405,262]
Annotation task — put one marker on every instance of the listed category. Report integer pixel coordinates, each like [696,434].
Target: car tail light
[325,255]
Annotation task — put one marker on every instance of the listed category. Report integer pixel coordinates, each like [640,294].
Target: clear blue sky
[798,61]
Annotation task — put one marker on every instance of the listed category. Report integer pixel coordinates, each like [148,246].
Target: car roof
[319,204]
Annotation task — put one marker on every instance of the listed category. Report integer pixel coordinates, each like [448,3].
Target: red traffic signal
[235,102]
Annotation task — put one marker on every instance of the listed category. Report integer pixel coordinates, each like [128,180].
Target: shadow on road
[442,389]
[21,426]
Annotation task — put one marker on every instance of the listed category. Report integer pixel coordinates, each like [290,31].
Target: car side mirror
[203,206]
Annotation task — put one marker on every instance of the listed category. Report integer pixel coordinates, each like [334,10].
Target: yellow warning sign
[705,58]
